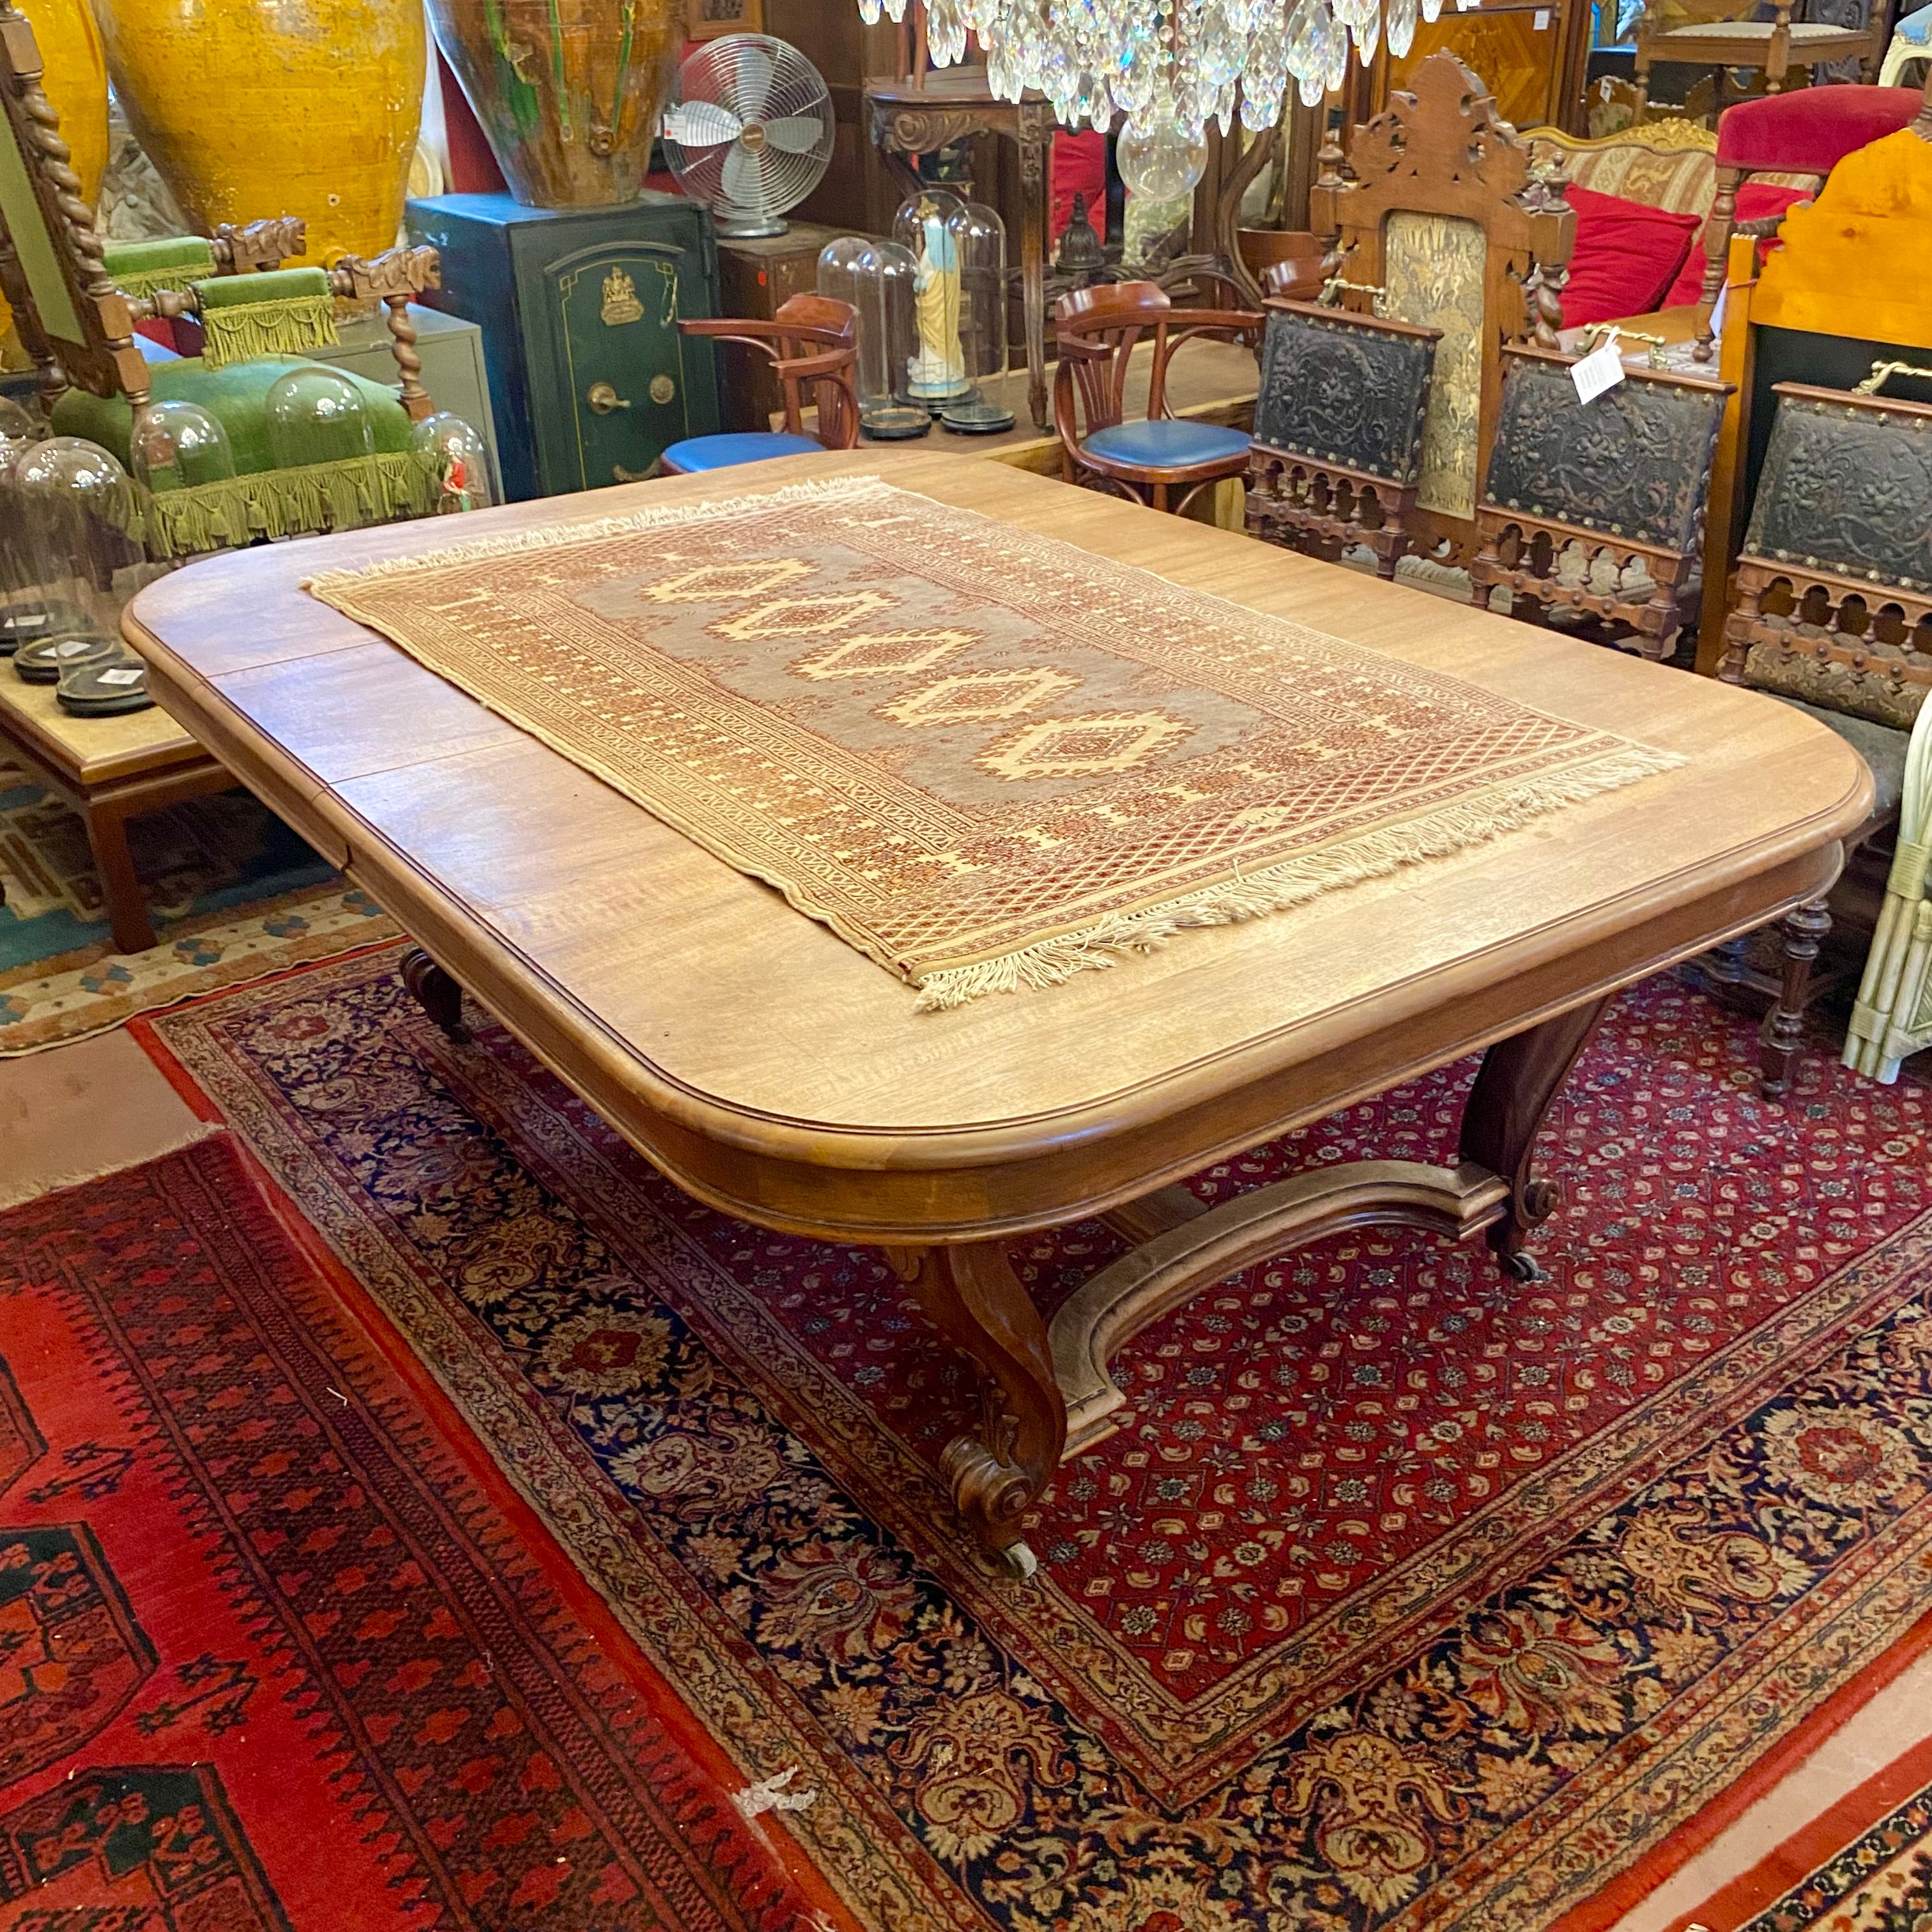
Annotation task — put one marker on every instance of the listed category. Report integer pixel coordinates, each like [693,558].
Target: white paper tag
[1717,313]
[133,674]
[73,647]
[1602,369]
[27,620]
[1467,6]
[1541,23]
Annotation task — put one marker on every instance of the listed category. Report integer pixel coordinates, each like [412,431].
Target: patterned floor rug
[1408,1597]
[278,1647]
[234,894]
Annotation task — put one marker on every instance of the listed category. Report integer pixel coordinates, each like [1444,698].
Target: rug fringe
[1051,962]
[330,583]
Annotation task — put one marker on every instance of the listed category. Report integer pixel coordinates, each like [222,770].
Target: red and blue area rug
[279,1650]
[1409,1598]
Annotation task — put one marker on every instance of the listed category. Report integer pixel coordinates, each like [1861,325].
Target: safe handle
[603,399]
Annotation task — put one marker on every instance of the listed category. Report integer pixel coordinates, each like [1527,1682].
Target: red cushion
[1079,167]
[1811,130]
[1756,199]
[1626,256]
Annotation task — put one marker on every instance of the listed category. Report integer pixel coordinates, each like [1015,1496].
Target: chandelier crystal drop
[1170,66]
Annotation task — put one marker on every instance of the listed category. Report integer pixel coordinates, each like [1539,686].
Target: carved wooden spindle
[1716,247]
[402,332]
[1805,929]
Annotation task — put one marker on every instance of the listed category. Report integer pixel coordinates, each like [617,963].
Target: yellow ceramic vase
[251,109]
[75,81]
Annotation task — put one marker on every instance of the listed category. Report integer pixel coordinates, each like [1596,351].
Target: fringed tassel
[244,331]
[334,585]
[140,284]
[346,495]
[1051,962]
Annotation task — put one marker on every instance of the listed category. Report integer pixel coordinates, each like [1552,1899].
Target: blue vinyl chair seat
[751,445]
[1166,445]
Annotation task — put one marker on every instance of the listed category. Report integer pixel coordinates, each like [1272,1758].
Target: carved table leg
[1035,140]
[435,992]
[1805,928]
[1519,1078]
[973,1294]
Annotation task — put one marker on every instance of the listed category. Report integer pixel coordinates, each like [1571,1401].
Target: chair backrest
[1343,388]
[1442,209]
[75,325]
[811,342]
[1667,164]
[1633,466]
[1833,601]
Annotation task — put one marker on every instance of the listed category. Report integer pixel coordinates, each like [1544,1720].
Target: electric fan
[748,131]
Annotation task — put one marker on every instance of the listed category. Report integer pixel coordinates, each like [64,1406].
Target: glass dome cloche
[462,459]
[959,256]
[877,278]
[79,556]
[315,416]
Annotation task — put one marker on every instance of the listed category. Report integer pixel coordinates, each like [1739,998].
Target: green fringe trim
[141,269]
[347,494]
[243,332]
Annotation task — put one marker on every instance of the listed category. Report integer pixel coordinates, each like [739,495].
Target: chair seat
[1163,444]
[1916,28]
[1882,748]
[1813,129]
[720,452]
[1760,30]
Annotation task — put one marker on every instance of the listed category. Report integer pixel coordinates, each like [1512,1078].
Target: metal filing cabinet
[590,379]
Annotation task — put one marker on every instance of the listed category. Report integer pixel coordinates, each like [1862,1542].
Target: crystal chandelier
[1170,66]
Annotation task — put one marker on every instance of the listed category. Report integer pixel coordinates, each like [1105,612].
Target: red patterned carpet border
[1408,1599]
[278,1648]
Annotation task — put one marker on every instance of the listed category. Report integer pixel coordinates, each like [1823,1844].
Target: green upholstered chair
[77,321]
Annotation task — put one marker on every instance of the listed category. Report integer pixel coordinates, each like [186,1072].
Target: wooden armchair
[1832,611]
[1708,33]
[812,342]
[1441,221]
[1338,430]
[1163,460]
[1598,507]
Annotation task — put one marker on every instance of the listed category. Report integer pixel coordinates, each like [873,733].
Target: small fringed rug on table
[1409,1596]
[279,1650]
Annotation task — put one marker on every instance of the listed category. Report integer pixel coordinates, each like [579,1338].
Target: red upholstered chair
[1166,461]
[1809,132]
[811,341]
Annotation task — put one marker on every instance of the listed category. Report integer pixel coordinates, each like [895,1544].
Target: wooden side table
[953,106]
[108,770]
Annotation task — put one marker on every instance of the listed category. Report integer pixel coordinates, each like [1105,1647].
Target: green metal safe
[590,379]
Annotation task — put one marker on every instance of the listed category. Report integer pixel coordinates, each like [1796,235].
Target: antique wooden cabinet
[1531,54]
[754,278]
[589,379]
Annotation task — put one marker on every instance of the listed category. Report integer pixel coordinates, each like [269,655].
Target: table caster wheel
[1018,1561]
[1524,1266]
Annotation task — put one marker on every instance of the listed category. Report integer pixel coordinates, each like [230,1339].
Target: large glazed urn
[568,91]
[251,109]
[74,78]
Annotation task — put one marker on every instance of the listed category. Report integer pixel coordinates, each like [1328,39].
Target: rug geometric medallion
[1408,1597]
[280,1652]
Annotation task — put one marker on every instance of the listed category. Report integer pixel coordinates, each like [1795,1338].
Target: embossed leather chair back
[1442,209]
[1833,600]
[1338,429]
[1598,507]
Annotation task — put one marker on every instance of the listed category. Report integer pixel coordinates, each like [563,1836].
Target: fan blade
[700,124]
[752,82]
[743,184]
[795,133]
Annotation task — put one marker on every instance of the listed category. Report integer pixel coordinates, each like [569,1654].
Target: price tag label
[1467,6]
[1717,313]
[1541,22]
[1602,369]
[133,674]
[73,647]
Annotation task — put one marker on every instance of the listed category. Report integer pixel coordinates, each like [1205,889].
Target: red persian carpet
[1409,1598]
[274,1652]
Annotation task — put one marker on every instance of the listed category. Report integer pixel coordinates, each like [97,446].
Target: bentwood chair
[812,342]
[1164,461]
[1707,33]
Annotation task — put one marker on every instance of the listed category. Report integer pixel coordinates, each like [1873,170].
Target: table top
[91,752]
[773,1070]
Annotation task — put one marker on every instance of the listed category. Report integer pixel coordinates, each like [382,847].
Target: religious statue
[938,371]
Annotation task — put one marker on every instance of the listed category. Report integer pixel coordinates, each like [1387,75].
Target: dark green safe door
[590,379]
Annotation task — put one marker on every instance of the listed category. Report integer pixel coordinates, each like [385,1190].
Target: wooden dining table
[772,1071]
